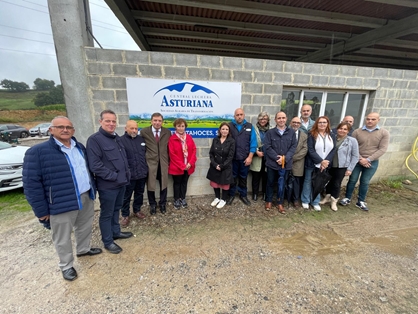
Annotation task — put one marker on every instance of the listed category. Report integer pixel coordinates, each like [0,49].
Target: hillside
[13,101]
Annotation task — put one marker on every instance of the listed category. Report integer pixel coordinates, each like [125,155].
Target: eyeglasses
[63,127]
[263,119]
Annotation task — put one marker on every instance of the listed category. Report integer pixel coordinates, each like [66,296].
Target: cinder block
[403,112]
[410,104]
[400,84]
[98,107]
[263,77]
[174,73]
[273,89]
[320,81]
[311,68]
[261,100]
[337,81]
[364,72]
[90,53]
[252,88]
[152,71]
[232,63]
[406,94]
[272,110]
[137,57]
[293,67]
[370,83]
[198,74]
[413,113]
[395,103]
[221,75]
[210,61]
[392,93]
[185,60]
[120,107]
[204,151]
[242,76]
[381,73]
[274,66]
[246,99]
[282,78]
[391,122]
[161,58]
[252,110]
[125,69]
[381,93]
[385,112]
[354,82]
[385,83]
[379,103]
[396,74]
[103,95]
[201,142]
[253,64]
[95,82]
[114,82]
[410,75]
[122,119]
[98,68]
[331,70]
[121,95]
[109,55]
[348,71]
[413,85]
[299,79]
[276,99]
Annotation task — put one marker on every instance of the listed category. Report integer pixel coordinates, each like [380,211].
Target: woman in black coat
[220,170]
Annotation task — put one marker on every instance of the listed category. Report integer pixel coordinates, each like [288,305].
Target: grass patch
[59,107]
[14,200]
[393,182]
[17,101]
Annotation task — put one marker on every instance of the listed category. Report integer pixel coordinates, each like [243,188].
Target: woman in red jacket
[182,152]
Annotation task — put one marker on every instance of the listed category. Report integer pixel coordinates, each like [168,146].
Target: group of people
[61,176]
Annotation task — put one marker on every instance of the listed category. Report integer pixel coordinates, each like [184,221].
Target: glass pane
[355,106]
[290,103]
[314,99]
[334,107]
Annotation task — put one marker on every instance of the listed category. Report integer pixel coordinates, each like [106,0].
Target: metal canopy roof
[378,33]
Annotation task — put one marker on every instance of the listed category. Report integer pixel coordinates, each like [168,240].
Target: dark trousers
[240,173]
[296,189]
[334,185]
[258,177]
[279,177]
[110,204]
[163,192]
[180,185]
[136,187]
[218,193]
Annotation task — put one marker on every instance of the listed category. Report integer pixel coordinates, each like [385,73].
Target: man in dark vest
[245,146]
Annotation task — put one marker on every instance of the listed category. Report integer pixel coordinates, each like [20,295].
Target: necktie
[157,138]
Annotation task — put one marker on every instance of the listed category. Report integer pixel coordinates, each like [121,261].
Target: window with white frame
[335,104]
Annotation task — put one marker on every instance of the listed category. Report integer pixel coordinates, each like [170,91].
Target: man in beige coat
[156,139]
[298,159]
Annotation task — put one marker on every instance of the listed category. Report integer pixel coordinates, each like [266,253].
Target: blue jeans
[136,187]
[110,204]
[279,177]
[366,176]
[307,188]
[240,174]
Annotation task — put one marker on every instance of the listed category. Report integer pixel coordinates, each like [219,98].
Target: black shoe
[69,274]
[153,209]
[255,197]
[114,248]
[123,235]
[92,251]
[162,209]
[230,200]
[177,204]
[245,200]
[184,203]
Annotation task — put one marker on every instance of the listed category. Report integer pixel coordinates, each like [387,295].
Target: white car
[11,162]
[43,128]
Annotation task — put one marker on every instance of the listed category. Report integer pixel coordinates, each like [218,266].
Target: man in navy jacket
[59,188]
[107,160]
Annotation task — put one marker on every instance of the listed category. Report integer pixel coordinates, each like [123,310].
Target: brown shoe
[140,215]
[267,205]
[281,209]
[124,222]
[296,204]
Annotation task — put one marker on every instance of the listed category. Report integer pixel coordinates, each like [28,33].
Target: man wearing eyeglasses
[60,189]
[108,162]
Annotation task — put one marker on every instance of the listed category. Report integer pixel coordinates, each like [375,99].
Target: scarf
[183,146]
[263,128]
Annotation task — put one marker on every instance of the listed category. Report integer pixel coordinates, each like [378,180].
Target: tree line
[49,94]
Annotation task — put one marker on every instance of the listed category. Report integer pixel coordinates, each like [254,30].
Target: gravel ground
[233,260]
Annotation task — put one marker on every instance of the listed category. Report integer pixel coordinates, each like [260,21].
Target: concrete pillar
[68,21]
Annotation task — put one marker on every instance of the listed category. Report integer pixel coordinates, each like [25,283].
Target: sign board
[204,105]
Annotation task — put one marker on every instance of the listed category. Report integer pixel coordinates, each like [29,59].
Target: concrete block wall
[393,94]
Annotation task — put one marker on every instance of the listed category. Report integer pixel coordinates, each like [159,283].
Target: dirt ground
[233,260]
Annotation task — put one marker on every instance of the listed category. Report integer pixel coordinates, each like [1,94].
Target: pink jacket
[176,165]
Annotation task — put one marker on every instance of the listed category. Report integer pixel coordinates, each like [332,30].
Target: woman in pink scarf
[182,152]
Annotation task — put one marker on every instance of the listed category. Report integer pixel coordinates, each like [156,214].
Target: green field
[17,101]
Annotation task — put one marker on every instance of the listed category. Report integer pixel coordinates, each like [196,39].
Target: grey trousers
[63,224]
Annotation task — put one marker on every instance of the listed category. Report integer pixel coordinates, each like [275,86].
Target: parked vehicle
[14,130]
[42,128]
[11,162]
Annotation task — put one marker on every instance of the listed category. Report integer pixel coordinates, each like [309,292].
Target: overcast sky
[26,43]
